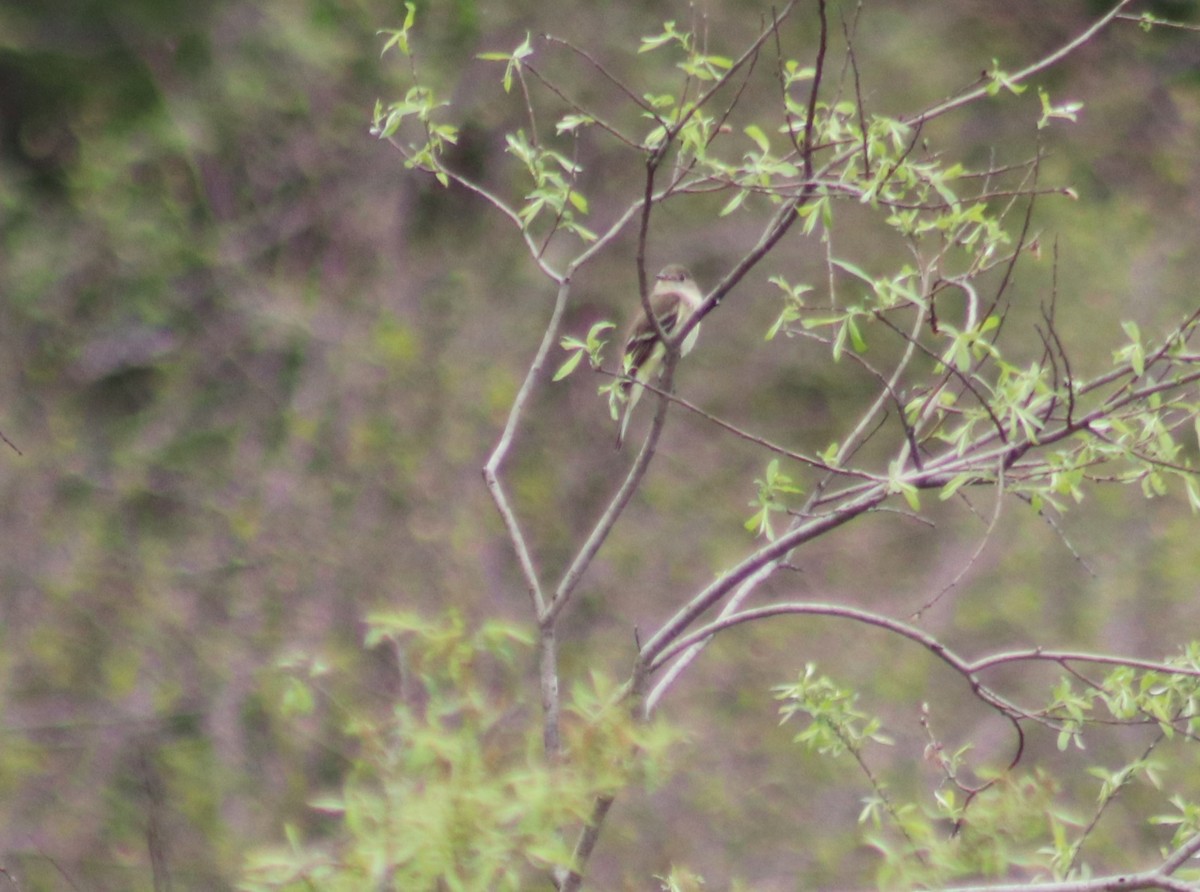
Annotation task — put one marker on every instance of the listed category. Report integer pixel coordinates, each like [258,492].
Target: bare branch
[975,555]
[586,844]
[583,558]
[1025,73]
[607,75]
[500,452]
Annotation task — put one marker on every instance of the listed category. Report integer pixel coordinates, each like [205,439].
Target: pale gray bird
[673,300]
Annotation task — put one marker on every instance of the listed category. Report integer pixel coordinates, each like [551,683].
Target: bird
[673,300]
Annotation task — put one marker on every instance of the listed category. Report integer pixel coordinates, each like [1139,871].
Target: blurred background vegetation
[253,367]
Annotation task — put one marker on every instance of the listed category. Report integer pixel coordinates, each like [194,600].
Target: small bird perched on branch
[673,300]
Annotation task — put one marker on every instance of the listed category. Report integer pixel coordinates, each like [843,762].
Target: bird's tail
[634,392]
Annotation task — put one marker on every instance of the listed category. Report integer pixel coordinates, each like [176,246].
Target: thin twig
[1025,73]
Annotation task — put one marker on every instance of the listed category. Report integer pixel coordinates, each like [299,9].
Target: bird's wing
[669,306]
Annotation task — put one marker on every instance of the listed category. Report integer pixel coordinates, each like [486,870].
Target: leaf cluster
[449,790]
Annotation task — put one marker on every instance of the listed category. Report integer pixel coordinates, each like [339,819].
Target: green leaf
[297,699]
[759,524]
[1002,80]
[570,123]
[668,34]
[755,133]
[853,270]
[856,338]
[784,318]
[399,36]
[1135,353]
[569,366]
[1193,492]
[598,329]
[579,202]
[329,804]
[513,59]
[734,203]
[1068,111]
[794,72]
[896,485]
[954,485]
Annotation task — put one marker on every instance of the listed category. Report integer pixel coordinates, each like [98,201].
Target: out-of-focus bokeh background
[253,367]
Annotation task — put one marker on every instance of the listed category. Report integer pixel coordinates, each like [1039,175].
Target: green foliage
[590,348]
[449,789]
[769,500]
[554,179]
[836,724]
[398,37]
[1067,111]
[680,879]
[1012,820]
[990,834]
[793,296]
[512,61]
[250,400]
[975,408]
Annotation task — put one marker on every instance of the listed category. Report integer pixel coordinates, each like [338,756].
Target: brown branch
[975,555]
[750,54]
[586,844]
[1158,878]
[977,93]
[611,129]
[607,75]
[818,72]
[738,432]
[583,558]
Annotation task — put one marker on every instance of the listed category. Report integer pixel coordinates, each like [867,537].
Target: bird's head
[674,273]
